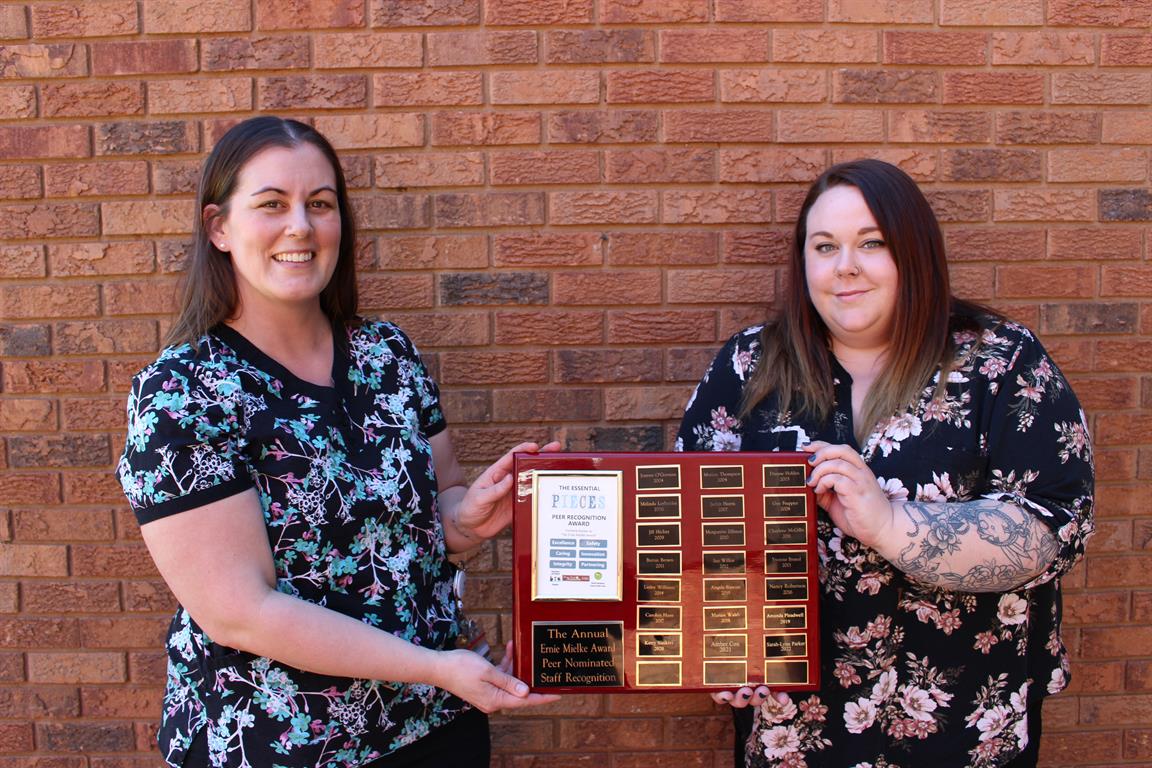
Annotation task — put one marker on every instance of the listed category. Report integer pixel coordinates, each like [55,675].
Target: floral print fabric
[345,478]
[913,675]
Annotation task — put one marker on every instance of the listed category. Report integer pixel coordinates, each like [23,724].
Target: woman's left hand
[846,488]
[486,508]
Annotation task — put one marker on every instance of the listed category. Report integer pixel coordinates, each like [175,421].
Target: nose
[299,222]
[846,263]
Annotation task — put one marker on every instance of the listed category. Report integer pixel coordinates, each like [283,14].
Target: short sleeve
[1039,448]
[185,444]
[386,361]
[711,421]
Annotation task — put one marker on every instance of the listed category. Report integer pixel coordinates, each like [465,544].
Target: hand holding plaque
[687,571]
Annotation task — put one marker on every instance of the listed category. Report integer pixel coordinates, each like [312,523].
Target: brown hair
[209,292]
[796,359]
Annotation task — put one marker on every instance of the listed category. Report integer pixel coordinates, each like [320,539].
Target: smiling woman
[289,466]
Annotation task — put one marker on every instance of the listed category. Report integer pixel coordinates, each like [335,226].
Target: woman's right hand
[487,687]
[748,696]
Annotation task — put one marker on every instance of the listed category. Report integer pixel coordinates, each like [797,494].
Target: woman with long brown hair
[953,473]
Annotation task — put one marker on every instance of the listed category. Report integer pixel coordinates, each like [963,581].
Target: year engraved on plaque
[785,646]
[657,617]
[785,562]
[725,646]
[785,475]
[721,477]
[658,505]
[658,590]
[725,590]
[785,533]
[785,589]
[722,534]
[787,505]
[658,534]
[712,507]
[662,478]
[726,617]
[785,617]
[719,563]
[658,563]
[653,644]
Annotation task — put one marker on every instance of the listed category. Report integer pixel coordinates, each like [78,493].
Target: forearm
[457,538]
[971,546]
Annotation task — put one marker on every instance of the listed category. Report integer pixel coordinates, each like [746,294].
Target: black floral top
[914,676]
[345,477]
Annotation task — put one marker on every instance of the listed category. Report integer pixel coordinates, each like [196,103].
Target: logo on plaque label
[785,672]
[657,673]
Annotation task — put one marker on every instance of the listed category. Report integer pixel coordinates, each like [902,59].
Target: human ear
[214,221]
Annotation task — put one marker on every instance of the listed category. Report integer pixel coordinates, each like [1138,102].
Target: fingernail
[745,695]
[521,689]
[812,458]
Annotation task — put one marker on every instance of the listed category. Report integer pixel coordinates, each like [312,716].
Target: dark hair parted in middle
[209,295]
[796,358]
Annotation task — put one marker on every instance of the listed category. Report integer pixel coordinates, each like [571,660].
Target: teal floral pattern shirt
[345,478]
[915,676]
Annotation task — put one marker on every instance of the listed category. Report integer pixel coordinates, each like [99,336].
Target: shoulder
[206,363]
[381,337]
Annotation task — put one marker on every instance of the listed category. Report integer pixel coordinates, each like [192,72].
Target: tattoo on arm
[975,546]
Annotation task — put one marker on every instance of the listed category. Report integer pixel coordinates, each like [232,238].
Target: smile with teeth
[295,257]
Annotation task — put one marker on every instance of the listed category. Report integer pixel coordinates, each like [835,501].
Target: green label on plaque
[577,655]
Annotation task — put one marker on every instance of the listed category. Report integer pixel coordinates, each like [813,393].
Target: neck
[860,362]
[285,334]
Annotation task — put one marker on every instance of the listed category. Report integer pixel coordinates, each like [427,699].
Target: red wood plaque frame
[710,584]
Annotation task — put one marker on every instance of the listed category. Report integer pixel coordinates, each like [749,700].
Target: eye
[874,243]
[271,204]
[824,247]
[321,205]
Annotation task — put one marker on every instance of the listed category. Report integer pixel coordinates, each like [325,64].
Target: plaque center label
[578,655]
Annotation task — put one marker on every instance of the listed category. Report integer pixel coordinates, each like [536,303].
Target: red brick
[991,13]
[152,57]
[85,99]
[96,179]
[547,405]
[771,165]
[589,735]
[83,487]
[175,177]
[788,202]
[1046,282]
[539,249]
[1114,536]
[438,329]
[105,337]
[1043,205]
[427,252]
[256,52]
[1094,608]
[602,207]
[396,292]
[312,92]
[16,737]
[993,88]
[992,165]
[17,101]
[309,14]
[33,301]
[72,597]
[148,597]
[89,18]
[372,131]
[551,167]
[546,327]
[160,137]
[661,326]
[1118,571]
[489,209]
[401,170]
[803,126]
[72,667]
[385,13]
[41,61]
[464,49]
[724,207]
[1097,165]
[881,11]
[697,46]
[1101,13]
[939,127]
[610,287]
[1048,127]
[20,182]
[110,561]
[662,248]
[599,127]
[1105,747]
[772,85]
[392,212]
[538,12]
[919,163]
[33,560]
[126,702]
[1045,48]
[1126,50]
[203,16]
[27,415]
[1122,355]
[936,48]
[492,288]
[13,23]
[1101,87]
[1139,678]
[124,632]
[869,86]
[376,50]
[811,46]
[135,297]
[106,258]
[545,87]
[720,286]
[615,366]
[148,217]
[22,261]
[485,129]
[672,166]
[47,141]
[789,11]
[626,403]
[61,525]
[955,205]
[147,668]
[66,450]
[32,488]
[229,94]
[487,367]
[596,46]
[1125,281]
[428,89]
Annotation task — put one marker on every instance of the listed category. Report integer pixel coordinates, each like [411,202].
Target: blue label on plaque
[563,564]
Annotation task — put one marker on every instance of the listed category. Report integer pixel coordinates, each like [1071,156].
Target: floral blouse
[913,675]
[345,478]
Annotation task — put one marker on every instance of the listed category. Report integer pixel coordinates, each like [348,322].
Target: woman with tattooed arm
[953,474]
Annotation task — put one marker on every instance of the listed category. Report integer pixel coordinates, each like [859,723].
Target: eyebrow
[865,230]
[277,190]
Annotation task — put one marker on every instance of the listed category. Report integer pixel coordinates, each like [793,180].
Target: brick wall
[569,204]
